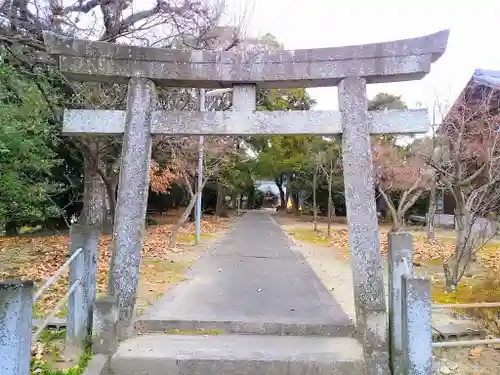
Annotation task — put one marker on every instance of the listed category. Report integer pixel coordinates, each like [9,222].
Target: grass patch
[185,238]
[319,237]
[44,368]
[474,291]
[491,248]
[434,262]
[156,277]
[47,357]
[29,229]
[195,332]
[40,313]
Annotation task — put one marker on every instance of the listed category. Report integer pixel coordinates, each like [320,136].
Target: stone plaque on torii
[350,68]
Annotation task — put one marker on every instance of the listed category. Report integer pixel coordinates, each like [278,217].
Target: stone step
[341,329]
[160,354]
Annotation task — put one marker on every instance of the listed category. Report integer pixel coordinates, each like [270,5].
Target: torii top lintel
[401,60]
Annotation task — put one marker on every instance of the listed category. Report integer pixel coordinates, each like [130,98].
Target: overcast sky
[474,41]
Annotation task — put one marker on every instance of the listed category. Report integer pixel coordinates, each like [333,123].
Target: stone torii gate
[350,68]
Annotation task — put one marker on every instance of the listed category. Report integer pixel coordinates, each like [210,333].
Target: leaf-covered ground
[38,257]
[481,282]
[333,267]
[423,250]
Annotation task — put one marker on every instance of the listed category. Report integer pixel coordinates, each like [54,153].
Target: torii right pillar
[364,241]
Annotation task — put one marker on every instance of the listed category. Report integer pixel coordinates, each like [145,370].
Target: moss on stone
[195,332]
[474,291]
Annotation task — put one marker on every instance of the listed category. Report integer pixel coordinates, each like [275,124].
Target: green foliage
[150,221]
[257,198]
[386,101]
[239,176]
[27,139]
[284,154]
[284,100]
[50,341]
[45,369]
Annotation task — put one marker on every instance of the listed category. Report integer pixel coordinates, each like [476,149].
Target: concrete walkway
[252,282]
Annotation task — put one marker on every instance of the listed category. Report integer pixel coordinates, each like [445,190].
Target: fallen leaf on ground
[475,352]
[38,257]
[423,250]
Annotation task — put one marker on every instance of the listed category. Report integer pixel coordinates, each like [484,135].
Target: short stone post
[81,302]
[91,253]
[417,325]
[16,312]
[104,331]
[399,249]
[76,333]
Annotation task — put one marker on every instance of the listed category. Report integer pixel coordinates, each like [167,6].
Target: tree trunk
[220,199]
[431,214]
[295,203]
[279,184]
[395,215]
[11,228]
[109,202]
[91,219]
[94,188]
[238,203]
[329,205]
[250,198]
[398,222]
[107,215]
[288,192]
[315,208]
[185,215]
[455,267]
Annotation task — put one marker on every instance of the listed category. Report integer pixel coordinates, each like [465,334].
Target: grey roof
[490,78]
[483,77]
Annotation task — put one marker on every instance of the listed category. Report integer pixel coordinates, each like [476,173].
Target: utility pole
[199,186]
[202,96]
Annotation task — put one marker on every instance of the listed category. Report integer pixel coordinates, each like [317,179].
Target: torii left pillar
[132,200]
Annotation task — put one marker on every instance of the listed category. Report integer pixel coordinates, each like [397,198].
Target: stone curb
[341,329]
[98,365]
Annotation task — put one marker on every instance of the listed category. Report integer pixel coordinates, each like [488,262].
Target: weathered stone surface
[252,282]
[94,122]
[159,354]
[132,199]
[100,122]
[400,262]
[401,60]
[362,220]
[78,329]
[84,270]
[104,330]
[417,325]
[244,98]
[16,308]
[455,332]
[98,365]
